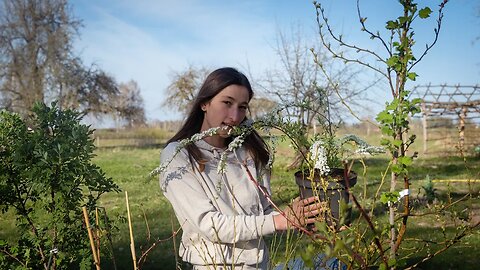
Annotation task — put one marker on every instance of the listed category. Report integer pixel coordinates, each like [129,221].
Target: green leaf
[339,245]
[392,262]
[385,141]
[424,12]
[412,76]
[392,106]
[384,117]
[386,130]
[391,25]
[392,61]
[405,160]
[402,19]
[397,143]
[396,168]
[416,101]
[389,197]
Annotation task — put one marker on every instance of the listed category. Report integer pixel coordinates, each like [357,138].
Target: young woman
[223,216]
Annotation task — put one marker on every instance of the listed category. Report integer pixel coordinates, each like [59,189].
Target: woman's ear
[204,106]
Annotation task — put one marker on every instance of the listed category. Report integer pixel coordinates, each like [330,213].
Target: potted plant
[320,171]
[326,173]
[321,167]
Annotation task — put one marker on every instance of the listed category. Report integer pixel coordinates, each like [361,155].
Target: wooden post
[461,128]
[132,243]
[424,124]
[97,235]
[90,236]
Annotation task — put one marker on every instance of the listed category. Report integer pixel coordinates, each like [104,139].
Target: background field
[129,166]
[154,222]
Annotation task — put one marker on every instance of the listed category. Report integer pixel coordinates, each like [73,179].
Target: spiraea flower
[319,157]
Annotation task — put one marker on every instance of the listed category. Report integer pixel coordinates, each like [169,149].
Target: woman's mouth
[225,130]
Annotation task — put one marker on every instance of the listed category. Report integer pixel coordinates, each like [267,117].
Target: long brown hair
[214,84]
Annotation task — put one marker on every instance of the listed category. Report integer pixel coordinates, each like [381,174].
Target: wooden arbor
[443,108]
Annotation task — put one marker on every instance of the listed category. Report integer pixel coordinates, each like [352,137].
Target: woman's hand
[300,213]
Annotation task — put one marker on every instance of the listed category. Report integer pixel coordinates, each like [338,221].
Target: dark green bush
[46,176]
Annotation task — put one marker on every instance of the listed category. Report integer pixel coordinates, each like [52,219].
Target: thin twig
[448,244]
[5,251]
[269,199]
[144,255]
[109,236]
[363,213]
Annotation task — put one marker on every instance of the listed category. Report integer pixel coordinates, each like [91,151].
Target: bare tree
[129,104]
[300,86]
[37,61]
[300,82]
[260,106]
[181,92]
[91,91]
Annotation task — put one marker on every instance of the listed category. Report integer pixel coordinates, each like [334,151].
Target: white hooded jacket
[223,216]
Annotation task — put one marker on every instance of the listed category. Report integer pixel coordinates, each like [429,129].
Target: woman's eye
[227,102]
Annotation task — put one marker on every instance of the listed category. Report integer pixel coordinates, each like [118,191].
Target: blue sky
[147,40]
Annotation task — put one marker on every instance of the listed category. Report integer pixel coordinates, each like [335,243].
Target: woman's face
[228,108]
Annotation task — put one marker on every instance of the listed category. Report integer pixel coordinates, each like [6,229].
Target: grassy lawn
[151,213]
[153,217]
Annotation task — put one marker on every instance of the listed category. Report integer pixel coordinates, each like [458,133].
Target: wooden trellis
[461,105]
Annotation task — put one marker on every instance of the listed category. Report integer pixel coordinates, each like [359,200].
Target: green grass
[129,168]
[151,213]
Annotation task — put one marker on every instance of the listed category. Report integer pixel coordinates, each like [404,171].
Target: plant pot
[331,189]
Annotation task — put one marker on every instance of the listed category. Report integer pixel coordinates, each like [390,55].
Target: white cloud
[145,40]
[148,50]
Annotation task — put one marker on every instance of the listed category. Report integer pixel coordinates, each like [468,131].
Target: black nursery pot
[334,193]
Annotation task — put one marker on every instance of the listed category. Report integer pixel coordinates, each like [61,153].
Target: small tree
[395,64]
[129,104]
[184,87]
[302,88]
[46,176]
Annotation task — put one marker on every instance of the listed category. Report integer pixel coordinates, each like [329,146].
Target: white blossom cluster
[319,157]
[318,151]
[194,138]
[363,148]
[240,132]
[236,143]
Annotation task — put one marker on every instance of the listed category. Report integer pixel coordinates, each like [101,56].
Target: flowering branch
[269,199]
[195,138]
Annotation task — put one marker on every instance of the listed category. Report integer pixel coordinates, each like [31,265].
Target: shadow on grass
[161,256]
[462,255]
[134,146]
[446,167]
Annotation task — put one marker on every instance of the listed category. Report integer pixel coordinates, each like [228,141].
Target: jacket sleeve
[192,205]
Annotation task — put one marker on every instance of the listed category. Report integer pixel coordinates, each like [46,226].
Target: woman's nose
[236,115]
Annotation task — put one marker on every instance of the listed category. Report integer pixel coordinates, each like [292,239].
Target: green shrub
[46,176]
